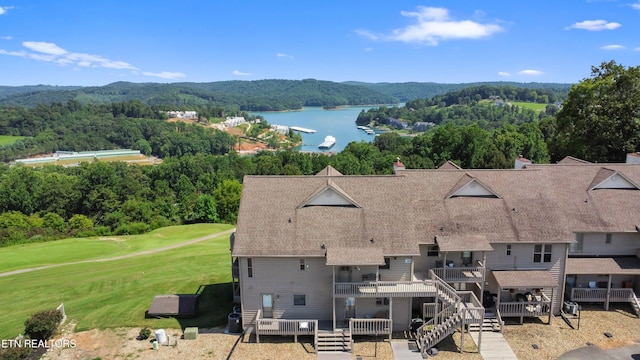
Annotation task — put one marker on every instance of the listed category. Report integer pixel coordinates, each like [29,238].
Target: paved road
[145,252]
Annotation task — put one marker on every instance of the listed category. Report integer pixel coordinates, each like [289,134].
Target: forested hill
[260,95]
[420,90]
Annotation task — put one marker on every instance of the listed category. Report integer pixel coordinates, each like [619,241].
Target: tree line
[200,179]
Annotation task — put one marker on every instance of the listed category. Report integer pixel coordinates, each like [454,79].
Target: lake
[339,123]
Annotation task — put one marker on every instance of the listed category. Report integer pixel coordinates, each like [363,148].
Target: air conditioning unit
[571,307]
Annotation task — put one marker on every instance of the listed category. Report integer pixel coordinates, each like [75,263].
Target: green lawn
[117,293]
[78,249]
[530,105]
[8,139]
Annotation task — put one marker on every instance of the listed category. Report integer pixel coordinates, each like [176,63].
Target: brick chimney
[521,162]
[397,165]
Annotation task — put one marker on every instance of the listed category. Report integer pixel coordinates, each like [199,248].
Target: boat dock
[301,129]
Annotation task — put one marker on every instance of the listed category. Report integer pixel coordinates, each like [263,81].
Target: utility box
[190,333]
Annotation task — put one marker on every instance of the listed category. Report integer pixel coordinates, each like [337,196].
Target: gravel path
[145,252]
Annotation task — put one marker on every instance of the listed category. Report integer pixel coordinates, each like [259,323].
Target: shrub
[144,334]
[43,324]
[15,353]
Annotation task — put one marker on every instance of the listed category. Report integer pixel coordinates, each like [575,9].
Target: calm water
[340,123]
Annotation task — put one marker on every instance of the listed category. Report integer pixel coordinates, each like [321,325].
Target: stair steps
[489,324]
[336,341]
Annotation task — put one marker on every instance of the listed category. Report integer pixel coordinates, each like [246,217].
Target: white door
[267,305]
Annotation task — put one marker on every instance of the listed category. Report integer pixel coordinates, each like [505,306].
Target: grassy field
[8,139]
[117,293]
[79,249]
[529,105]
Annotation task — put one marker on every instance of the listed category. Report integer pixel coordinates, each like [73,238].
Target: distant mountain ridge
[257,95]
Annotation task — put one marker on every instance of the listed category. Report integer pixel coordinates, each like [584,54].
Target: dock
[301,129]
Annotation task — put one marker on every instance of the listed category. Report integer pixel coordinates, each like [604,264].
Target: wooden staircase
[490,323]
[338,340]
[439,332]
[635,304]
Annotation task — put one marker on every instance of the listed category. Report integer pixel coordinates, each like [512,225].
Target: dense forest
[201,177]
[260,95]
[415,90]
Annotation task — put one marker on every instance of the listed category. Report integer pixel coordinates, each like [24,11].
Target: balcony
[526,308]
[464,274]
[600,295]
[375,289]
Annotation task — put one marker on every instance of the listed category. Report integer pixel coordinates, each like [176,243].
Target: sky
[98,42]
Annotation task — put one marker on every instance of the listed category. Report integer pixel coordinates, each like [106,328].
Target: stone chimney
[521,162]
[397,165]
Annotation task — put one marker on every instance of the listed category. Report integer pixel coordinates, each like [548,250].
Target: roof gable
[611,179]
[329,171]
[449,165]
[469,186]
[329,195]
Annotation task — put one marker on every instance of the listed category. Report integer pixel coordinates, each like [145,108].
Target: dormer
[612,179]
[469,186]
[329,195]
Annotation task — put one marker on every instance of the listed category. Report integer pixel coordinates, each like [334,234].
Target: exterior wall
[400,269]
[622,244]
[401,313]
[423,263]
[283,278]
[521,258]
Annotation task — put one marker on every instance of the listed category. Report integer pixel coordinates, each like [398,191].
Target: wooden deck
[374,289]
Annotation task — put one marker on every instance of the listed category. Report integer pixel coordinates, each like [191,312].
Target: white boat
[363,127]
[369,131]
[328,142]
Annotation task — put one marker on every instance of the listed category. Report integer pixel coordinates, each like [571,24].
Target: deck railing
[371,327]
[500,321]
[525,308]
[600,294]
[461,274]
[285,327]
[385,288]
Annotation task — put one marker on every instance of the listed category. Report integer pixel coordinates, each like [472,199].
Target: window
[299,300]
[387,263]
[542,253]
[303,265]
[433,250]
[382,301]
[577,247]
[508,249]
[250,267]
[607,240]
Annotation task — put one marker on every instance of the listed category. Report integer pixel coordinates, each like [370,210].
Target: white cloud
[240,73]
[368,49]
[3,9]
[636,49]
[613,47]
[530,72]
[284,56]
[44,47]
[433,25]
[595,25]
[636,5]
[503,73]
[165,74]
[6,37]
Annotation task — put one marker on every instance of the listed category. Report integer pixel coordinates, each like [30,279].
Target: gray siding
[283,278]
[594,244]
[399,269]
[521,258]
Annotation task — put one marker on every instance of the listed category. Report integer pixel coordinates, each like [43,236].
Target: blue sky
[97,42]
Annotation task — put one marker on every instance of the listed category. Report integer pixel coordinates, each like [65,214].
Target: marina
[328,143]
[301,129]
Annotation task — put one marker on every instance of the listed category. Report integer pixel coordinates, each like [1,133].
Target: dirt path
[145,252]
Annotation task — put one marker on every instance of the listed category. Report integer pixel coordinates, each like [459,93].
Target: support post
[606,305]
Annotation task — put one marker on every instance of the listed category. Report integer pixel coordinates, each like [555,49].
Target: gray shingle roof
[539,204]
[524,279]
[603,266]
